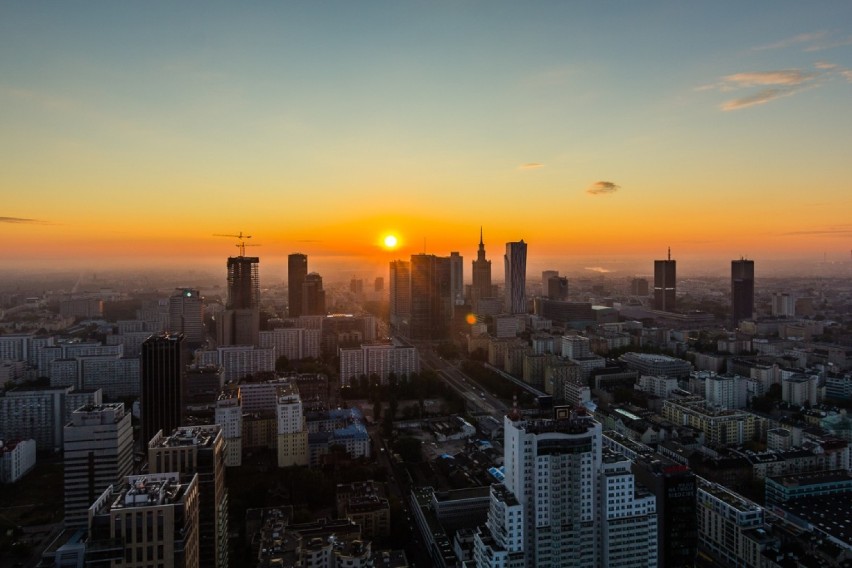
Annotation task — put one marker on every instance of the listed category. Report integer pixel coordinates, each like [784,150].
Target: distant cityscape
[428,417]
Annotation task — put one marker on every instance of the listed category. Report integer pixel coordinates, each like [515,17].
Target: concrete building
[164,360]
[651,364]
[186,315]
[297,269]
[41,413]
[98,452]
[199,451]
[724,519]
[400,296]
[292,342]
[229,415]
[292,429]
[742,291]
[380,359]
[366,504]
[720,427]
[17,458]
[481,277]
[149,521]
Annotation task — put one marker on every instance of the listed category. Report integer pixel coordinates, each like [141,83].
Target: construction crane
[242,245]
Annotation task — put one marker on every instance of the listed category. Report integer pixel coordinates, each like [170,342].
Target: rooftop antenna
[670,253]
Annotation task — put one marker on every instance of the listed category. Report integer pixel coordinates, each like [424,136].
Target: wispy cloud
[799,39]
[602,188]
[530,166]
[774,85]
[598,269]
[825,65]
[22,221]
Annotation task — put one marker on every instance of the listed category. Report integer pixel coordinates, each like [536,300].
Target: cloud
[788,77]
[847,75]
[530,166]
[841,231]
[602,188]
[795,40]
[598,269]
[21,220]
[825,65]
[773,85]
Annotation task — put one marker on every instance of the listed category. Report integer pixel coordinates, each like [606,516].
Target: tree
[282,364]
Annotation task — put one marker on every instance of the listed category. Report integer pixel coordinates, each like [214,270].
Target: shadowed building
[515,263]
[665,277]
[742,290]
[313,296]
[297,269]
[239,323]
[163,366]
[400,295]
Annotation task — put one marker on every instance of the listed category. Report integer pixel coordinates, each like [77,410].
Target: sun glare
[390,241]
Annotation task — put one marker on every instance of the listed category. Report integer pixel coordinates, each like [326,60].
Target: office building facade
[297,269]
[515,265]
[665,284]
[742,291]
[164,360]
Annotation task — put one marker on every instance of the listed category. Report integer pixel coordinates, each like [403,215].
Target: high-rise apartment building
[186,314]
[515,263]
[297,269]
[313,296]
[665,287]
[431,300]
[742,290]
[98,452]
[146,522]
[457,278]
[400,295]
[199,451]
[564,501]
[164,359]
[481,275]
[291,427]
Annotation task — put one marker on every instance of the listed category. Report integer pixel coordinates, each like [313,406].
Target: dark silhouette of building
[639,287]
[557,288]
[297,269]
[515,263]
[674,487]
[186,314]
[163,365]
[243,283]
[665,287]
[481,274]
[742,290]
[379,284]
[431,297]
[313,296]
[400,295]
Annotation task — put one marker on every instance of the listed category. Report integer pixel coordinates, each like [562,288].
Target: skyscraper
[546,275]
[400,295]
[557,288]
[431,300]
[457,278]
[313,296]
[515,262]
[297,269]
[199,450]
[239,323]
[481,274]
[163,365]
[742,290]
[186,314]
[665,278]
[98,452]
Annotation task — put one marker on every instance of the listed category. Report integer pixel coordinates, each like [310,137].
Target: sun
[390,241]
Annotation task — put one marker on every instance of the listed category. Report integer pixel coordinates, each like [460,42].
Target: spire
[670,253]
[480,237]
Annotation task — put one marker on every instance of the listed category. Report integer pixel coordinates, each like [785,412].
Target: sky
[597,132]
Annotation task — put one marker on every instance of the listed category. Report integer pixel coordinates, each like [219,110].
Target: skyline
[133,135]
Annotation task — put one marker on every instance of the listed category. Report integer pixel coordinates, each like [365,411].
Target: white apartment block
[17,458]
[380,359]
[292,342]
[229,415]
[660,386]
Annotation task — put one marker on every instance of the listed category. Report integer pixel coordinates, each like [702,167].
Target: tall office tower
[665,278]
[742,290]
[379,284]
[243,283]
[297,269]
[400,295]
[98,452]
[481,274]
[639,287]
[557,288]
[148,521]
[313,296]
[457,278]
[546,275]
[186,314]
[431,300]
[164,360]
[199,450]
[239,323]
[515,262]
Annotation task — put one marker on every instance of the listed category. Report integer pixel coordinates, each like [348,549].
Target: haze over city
[599,133]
